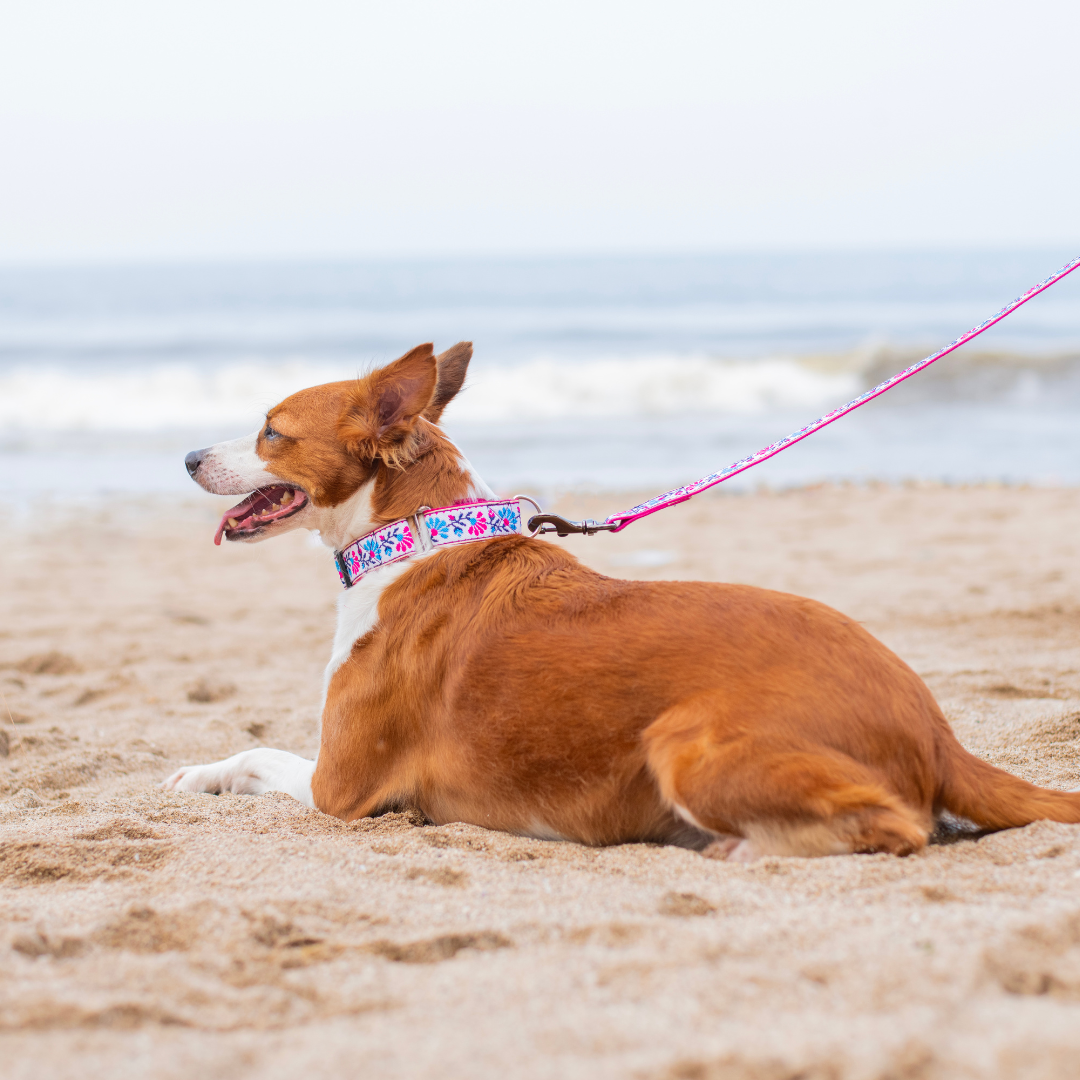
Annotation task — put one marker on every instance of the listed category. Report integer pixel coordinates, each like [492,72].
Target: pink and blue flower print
[478,521]
[442,527]
[386,545]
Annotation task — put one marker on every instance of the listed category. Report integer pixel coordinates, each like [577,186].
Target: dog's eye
[270,433]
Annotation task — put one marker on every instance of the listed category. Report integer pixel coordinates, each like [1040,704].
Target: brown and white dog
[504,684]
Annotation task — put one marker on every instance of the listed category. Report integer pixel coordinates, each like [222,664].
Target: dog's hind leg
[764,790]
[251,772]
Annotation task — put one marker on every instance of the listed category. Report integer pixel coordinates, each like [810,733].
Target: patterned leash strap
[617,522]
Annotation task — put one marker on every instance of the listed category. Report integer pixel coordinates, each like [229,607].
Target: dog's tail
[995,799]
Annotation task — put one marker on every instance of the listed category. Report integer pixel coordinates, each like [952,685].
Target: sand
[167,935]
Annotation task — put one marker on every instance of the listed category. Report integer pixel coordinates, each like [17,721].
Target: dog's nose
[193,461]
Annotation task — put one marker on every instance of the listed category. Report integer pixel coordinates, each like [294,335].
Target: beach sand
[168,935]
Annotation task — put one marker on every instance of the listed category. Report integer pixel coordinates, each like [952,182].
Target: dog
[499,682]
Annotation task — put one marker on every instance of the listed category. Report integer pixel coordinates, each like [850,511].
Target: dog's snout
[193,461]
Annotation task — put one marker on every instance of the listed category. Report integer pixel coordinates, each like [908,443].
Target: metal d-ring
[539,510]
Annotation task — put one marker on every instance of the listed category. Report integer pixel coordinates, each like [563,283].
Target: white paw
[205,778]
[251,772]
[733,849]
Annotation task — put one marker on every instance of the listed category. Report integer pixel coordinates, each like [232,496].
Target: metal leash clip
[552,523]
[541,523]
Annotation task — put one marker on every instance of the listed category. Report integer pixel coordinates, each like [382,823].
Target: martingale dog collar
[425,530]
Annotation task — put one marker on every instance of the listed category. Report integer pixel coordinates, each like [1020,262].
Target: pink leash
[618,522]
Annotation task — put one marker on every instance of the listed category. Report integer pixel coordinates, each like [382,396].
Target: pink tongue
[243,519]
[234,512]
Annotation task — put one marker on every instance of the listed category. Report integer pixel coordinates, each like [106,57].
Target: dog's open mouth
[259,509]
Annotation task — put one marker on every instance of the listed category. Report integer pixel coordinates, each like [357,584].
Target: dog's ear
[382,413]
[452,366]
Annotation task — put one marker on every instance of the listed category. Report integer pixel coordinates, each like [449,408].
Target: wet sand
[167,935]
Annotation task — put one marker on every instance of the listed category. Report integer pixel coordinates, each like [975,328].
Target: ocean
[609,373]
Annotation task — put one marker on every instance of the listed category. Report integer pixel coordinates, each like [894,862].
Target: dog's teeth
[274,508]
[233,523]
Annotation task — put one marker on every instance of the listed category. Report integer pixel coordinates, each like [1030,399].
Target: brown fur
[452,365]
[507,685]
[335,437]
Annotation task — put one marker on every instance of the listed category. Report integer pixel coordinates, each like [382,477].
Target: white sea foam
[648,386]
[162,397]
[603,372]
[179,396]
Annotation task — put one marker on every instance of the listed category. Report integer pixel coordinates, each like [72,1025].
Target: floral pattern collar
[425,530]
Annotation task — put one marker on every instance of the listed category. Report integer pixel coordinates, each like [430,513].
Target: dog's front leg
[251,772]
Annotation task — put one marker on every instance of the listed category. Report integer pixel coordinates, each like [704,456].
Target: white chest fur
[358,607]
[358,612]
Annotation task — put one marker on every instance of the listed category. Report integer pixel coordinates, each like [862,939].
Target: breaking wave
[177,396]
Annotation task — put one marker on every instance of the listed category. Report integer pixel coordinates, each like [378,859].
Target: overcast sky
[184,129]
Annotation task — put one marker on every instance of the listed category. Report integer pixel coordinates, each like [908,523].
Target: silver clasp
[552,523]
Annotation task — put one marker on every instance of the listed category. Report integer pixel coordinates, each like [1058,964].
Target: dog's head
[345,457]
